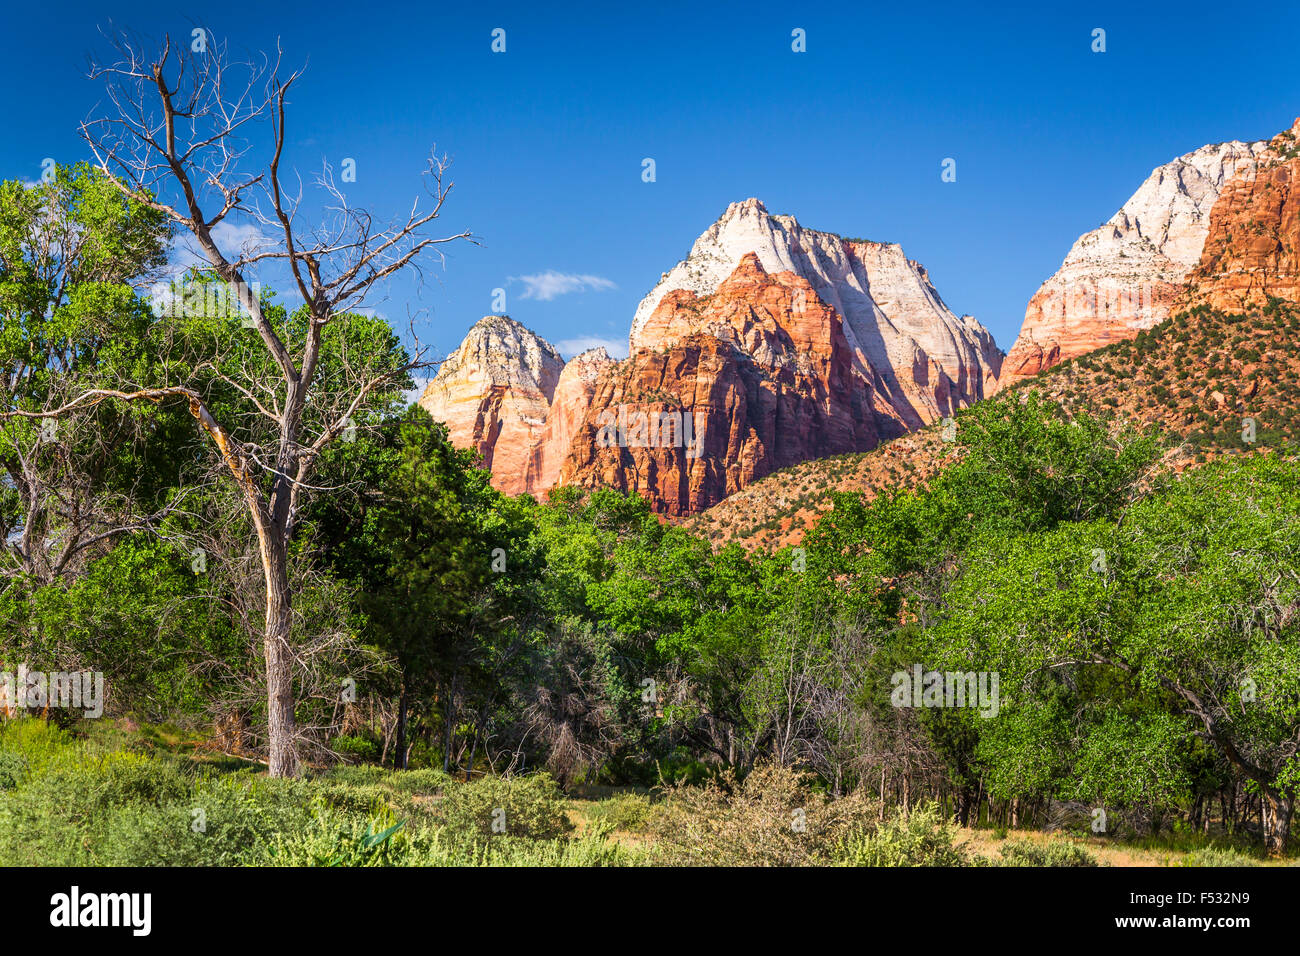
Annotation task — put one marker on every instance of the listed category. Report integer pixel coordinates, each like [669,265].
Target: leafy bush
[530,807]
[1052,853]
[369,790]
[228,821]
[919,838]
[13,770]
[420,782]
[59,816]
[628,812]
[361,748]
[33,741]
[1218,856]
[330,841]
[771,818]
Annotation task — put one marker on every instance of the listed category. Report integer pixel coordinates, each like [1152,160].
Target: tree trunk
[1277,820]
[283,758]
[448,727]
[399,758]
[966,798]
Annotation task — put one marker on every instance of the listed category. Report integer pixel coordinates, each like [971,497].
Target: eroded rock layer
[1252,250]
[759,373]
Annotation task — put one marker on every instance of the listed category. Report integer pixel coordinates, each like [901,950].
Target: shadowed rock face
[1130,273]
[1252,250]
[762,373]
[494,393]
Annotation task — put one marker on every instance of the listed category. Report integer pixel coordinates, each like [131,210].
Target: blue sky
[548,138]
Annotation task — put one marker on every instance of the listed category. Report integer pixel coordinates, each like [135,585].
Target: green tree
[70,320]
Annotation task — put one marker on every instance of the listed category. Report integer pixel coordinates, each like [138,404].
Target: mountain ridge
[868,321]
[768,333]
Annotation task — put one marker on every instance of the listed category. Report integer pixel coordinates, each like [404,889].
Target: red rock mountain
[759,373]
[1128,274]
[1221,220]
[1252,250]
[925,359]
[494,393]
[768,345]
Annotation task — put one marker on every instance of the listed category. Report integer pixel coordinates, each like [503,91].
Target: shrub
[361,748]
[228,821]
[530,806]
[369,789]
[1052,853]
[13,770]
[771,818]
[58,817]
[420,782]
[33,741]
[628,812]
[1217,856]
[919,838]
[328,840]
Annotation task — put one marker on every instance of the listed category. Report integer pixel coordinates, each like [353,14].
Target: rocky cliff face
[768,345]
[926,360]
[1130,273]
[761,375]
[569,406]
[1252,249]
[494,393]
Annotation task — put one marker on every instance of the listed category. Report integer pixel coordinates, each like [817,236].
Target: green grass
[118,799]
[147,797]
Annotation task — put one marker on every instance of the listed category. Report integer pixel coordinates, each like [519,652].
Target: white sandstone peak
[1164,223]
[889,307]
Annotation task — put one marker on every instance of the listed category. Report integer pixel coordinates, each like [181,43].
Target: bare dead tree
[174,137]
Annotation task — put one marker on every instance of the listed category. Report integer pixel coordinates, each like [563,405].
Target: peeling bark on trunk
[281,732]
[1277,811]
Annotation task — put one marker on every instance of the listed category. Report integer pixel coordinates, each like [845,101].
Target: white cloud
[617,348]
[545,286]
[233,240]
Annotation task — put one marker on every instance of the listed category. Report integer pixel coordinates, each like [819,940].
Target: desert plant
[921,837]
[770,818]
[1051,853]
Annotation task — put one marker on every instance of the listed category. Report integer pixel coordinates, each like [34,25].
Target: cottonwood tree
[1190,630]
[175,134]
[70,249]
